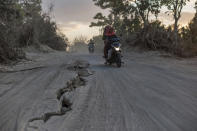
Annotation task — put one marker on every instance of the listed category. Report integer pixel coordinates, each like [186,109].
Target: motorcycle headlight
[117,48]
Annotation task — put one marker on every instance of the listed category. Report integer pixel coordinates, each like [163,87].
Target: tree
[10,21]
[125,14]
[193,27]
[191,31]
[101,20]
[23,23]
[146,7]
[122,15]
[116,7]
[32,8]
[175,6]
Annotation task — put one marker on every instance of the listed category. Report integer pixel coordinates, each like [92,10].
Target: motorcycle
[114,53]
[91,49]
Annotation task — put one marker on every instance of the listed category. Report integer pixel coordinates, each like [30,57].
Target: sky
[74,16]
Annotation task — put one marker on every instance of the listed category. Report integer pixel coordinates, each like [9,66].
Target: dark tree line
[22,23]
[138,22]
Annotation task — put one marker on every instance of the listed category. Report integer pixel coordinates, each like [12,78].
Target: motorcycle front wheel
[118,61]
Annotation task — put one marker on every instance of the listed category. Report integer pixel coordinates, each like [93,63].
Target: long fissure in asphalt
[63,94]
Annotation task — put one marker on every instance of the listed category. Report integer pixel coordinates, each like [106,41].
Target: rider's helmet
[91,41]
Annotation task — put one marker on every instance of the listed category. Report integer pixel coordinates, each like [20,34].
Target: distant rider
[91,44]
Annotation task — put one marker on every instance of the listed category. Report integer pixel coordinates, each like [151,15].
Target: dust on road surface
[147,94]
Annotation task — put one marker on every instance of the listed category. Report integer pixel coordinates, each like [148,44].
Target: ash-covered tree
[127,15]
[39,28]
[23,23]
[146,7]
[101,20]
[193,27]
[121,16]
[115,7]
[11,19]
[175,8]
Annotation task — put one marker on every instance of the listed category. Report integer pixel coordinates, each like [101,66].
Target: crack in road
[23,70]
[81,68]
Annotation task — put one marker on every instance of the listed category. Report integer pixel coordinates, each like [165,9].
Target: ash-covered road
[148,93]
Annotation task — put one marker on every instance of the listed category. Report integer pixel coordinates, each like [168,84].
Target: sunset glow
[74,16]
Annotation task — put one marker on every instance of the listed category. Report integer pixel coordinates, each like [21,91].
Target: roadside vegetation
[138,23]
[79,44]
[22,24]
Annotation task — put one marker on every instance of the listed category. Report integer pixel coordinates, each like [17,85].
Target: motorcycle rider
[108,35]
[91,44]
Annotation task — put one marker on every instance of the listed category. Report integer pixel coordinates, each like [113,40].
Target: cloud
[69,26]
[73,10]
[74,29]
[186,17]
[74,16]
[190,6]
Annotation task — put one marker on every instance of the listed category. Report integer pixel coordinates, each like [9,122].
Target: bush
[8,54]
[189,38]
[155,37]
[42,31]
[79,44]
[99,43]
[22,24]
[10,21]
[188,49]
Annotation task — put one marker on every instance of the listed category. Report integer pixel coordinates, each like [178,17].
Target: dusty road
[147,94]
